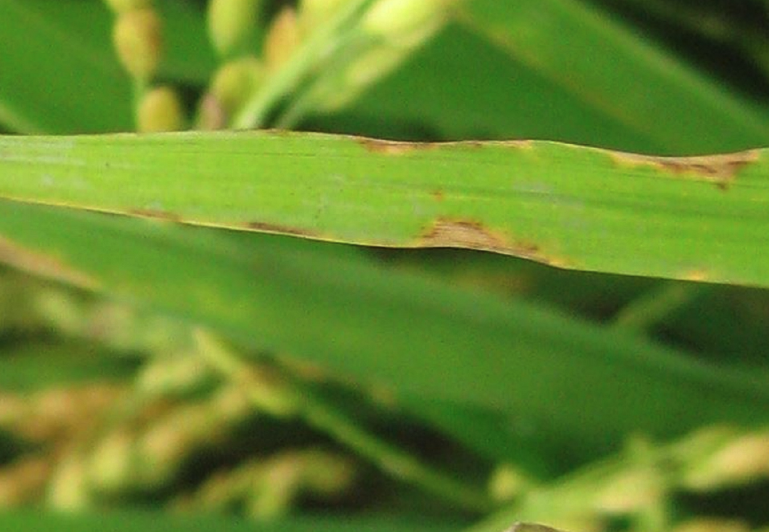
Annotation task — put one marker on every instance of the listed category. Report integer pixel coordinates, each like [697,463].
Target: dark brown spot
[156,214]
[438,194]
[266,227]
[721,170]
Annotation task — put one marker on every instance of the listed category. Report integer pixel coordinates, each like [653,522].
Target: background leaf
[358,320]
[83,89]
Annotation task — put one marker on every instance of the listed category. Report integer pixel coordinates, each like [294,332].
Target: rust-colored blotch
[391,147]
[471,234]
[156,214]
[721,170]
[266,227]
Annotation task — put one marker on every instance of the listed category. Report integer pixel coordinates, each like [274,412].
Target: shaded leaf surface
[576,383]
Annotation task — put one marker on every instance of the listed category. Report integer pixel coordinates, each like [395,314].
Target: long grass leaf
[704,218]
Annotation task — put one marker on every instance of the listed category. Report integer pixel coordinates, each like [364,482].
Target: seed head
[138,41]
[231,24]
[159,110]
[282,39]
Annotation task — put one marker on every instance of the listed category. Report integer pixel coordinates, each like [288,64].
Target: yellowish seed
[138,41]
[405,22]
[507,482]
[631,491]
[282,39]
[231,24]
[68,489]
[110,463]
[236,81]
[159,110]
[743,460]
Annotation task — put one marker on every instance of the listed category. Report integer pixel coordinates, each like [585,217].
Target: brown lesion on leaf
[471,234]
[438,194]
[466,234]
[720,170]
[156,214]
[44,265]
[518,144]
[392,147]
[266,227]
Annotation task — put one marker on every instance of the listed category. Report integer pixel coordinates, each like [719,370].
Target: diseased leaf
[702,218]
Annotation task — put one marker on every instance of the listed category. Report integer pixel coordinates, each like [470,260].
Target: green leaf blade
[581,208]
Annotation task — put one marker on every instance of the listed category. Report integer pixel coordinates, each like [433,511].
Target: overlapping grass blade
[447,101]
[582,386]
[630,80]
[558,70]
